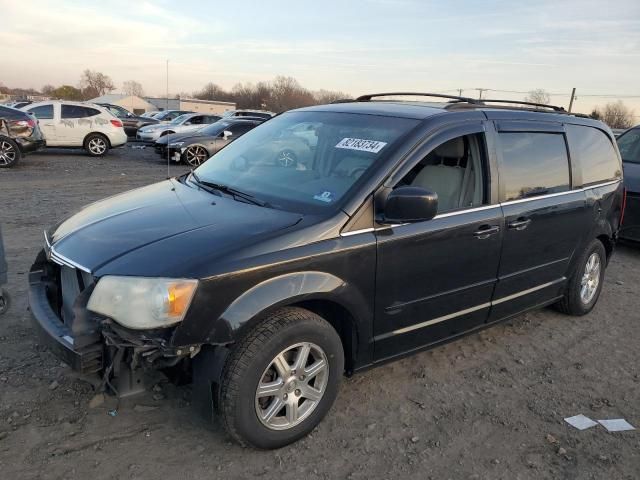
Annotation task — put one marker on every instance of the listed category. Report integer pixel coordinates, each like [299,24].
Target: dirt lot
[488,406]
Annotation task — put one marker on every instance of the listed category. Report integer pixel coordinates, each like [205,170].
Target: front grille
[72,282]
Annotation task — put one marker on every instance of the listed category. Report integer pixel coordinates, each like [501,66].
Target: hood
[176,137]
[169,213]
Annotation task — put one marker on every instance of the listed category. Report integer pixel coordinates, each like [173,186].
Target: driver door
[435,278]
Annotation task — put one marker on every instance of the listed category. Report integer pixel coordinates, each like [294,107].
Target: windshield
[305,161]
[179,119]
[629,145]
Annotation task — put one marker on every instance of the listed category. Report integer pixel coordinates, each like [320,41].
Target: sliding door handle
[520,224]
[486,231]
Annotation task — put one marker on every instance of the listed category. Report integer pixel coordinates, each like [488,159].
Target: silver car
[187,123]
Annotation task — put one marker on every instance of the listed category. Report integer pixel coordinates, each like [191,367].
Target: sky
[356,46]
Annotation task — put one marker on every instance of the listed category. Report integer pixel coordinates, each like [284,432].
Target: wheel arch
[322,293]
[86,137]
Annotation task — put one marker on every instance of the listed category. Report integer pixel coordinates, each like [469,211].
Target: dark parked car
[195,148]
[410,225]
[19,135]
[629,144]
[130,121]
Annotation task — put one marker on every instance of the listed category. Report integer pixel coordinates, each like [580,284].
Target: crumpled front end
[94,346]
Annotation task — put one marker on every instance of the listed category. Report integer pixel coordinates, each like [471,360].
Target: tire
[96,144]
[195,155]
[575,301]
[254,362]
[5,301]
[10,153]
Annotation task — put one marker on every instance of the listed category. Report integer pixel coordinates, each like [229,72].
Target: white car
[187,123]
[78,124]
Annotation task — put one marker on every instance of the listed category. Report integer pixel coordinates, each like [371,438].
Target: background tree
[132,88]
[615,114]
[95,84]
[47,89]
[327,96]
[67,92]
[211,91]
[538,96]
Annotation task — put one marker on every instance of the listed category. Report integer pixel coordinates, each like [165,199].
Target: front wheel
[585,285]
[281,379]
[96,145]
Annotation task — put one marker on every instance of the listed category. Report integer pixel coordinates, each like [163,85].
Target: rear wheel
[585,285]
[5,301]
[10,153]
[195,155]
[96,145]
[281,379]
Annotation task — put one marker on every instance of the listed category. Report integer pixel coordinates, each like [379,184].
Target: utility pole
[573,95]
[459,92]
[480,90]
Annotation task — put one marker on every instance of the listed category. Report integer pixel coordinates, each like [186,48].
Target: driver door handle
[486,231]
[520,224]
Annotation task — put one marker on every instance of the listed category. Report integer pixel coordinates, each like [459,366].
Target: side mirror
[129,115]
[226,134]
[410,204]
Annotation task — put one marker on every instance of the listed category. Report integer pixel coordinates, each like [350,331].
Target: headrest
[452,149]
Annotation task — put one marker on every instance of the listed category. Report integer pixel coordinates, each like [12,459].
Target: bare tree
[326,96]
[47,89]
[538,95]
[94,84]
[132,88]
[615,114]
[211,91]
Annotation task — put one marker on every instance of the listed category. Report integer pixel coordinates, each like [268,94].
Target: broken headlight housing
[143,303]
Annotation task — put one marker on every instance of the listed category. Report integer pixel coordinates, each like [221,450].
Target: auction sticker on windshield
[360,144]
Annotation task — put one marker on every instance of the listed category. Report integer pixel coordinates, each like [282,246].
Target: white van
[77,124]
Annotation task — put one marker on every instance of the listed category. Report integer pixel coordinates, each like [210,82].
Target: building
[191,105]
[132,103]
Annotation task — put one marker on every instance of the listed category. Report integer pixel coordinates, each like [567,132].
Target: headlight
[176,144]
[141,303]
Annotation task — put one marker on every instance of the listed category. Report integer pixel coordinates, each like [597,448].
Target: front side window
[595,153]
[629,145]
[43,112]
[456,171]
[178,120]
[533,164]
[289,174]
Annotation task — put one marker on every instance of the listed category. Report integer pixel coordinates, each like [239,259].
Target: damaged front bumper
[90,344]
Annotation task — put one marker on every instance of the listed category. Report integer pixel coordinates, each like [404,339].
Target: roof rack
[367,98]
[555,108]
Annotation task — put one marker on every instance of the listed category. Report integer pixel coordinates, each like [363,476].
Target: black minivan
[408,224]
[629,145]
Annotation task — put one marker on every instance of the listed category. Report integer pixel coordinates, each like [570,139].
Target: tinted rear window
[594,153]
[77,111]
[11,113]
[629,145]
[533,164]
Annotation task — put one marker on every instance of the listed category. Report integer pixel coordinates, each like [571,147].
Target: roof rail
[555,108]
[367,98]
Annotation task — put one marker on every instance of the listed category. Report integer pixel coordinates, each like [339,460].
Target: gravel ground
[488,406]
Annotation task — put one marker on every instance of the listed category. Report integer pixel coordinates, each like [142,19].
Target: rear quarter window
[594,154]
[533,164]
[77,111]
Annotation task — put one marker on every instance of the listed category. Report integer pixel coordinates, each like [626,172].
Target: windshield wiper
[235,193]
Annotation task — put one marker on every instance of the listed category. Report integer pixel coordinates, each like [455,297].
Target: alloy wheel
[7,153]
[292,386]
[97,146]
[196,155]
[590,278]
